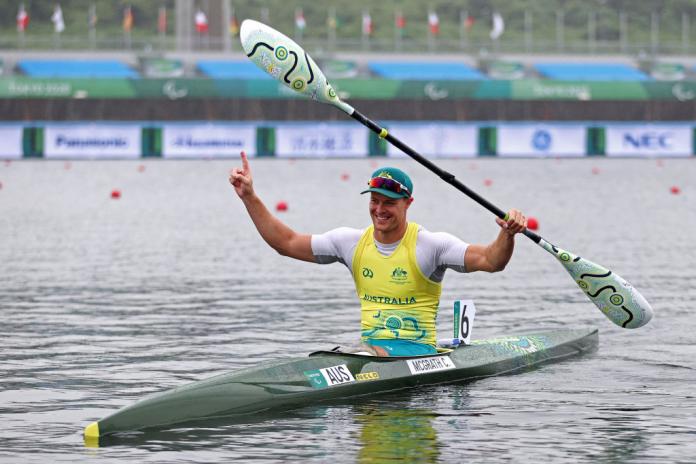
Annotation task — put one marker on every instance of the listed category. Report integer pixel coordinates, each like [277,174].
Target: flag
[331,20]
[498,26]
[22,18]
[201,22]
[234,25]
[162,20]
[92,17]
[300,22]
[434,23]
[127,19]
[367,24]
[400,22]
[469,22]
[57,19]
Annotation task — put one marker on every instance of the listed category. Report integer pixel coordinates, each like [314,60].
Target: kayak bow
[325,376]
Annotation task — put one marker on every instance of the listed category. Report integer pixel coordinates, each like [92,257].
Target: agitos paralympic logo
[367,273]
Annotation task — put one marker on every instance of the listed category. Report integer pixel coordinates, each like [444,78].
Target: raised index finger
[245,162]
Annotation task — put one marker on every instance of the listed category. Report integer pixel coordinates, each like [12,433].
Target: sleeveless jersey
[397,301]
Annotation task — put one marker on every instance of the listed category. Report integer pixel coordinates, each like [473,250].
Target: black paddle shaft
[444,175]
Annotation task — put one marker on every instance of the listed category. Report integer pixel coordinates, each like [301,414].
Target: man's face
[388,214]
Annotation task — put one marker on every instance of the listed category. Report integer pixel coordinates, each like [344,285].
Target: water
[104,301]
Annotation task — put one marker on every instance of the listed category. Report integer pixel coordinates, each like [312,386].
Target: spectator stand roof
[415,70]
[76,68]
[590,72]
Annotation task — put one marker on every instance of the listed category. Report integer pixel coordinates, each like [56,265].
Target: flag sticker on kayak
[329,376]
[424,365]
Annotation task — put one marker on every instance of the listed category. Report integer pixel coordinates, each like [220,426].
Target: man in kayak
[397,266]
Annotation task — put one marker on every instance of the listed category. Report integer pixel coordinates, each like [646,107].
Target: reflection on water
[105,301]
[405,435]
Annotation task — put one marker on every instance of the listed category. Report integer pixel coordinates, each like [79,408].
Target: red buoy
[8,162]
[281,206]
[595,170]
[67,165]
[115,194]
[674,190]
[532,223]
[487,182]
[345,176]
[141,168]
[660,163]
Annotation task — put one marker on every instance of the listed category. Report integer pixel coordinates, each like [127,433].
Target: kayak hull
[326,376]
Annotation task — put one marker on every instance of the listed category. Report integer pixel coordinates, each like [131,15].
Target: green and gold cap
[390,182]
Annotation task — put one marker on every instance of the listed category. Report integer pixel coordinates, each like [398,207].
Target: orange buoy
[532,223]
[595,170]
[281,206]
[115,194]
[660,163]
[67,165]
[487,182]
[141,168]
[345,176]
[674,190]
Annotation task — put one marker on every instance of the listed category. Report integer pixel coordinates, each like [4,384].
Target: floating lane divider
[617,299]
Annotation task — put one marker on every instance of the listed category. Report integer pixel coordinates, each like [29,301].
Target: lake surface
[104,301]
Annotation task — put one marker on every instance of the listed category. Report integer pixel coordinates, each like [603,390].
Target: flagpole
[22,23]
[397,41]
[331,24]
[365,44]
[92,15]
[560,30]
[298,28]
[431,35]
[226,24]
[265,15]
[127,25]
[528,31]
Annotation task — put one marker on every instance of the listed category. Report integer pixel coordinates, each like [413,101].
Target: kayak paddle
[288,63]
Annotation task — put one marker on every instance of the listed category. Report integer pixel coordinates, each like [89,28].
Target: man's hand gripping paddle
[287,62]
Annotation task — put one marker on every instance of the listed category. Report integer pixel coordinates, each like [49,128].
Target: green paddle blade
[615,297]
[287,62]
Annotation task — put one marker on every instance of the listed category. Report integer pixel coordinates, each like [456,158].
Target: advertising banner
[92,141]
[548,89]
[11,147]
[208,140]
[541,140]
[31,87]
[335,140]
[437,140]
[649,140]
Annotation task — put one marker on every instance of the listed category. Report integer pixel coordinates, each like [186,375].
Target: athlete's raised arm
[278,235]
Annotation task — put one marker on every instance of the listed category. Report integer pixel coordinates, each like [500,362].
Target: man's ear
[410,200]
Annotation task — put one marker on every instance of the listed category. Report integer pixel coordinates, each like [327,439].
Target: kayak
[325,376]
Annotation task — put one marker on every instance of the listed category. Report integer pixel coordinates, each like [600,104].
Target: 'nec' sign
[650,140]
